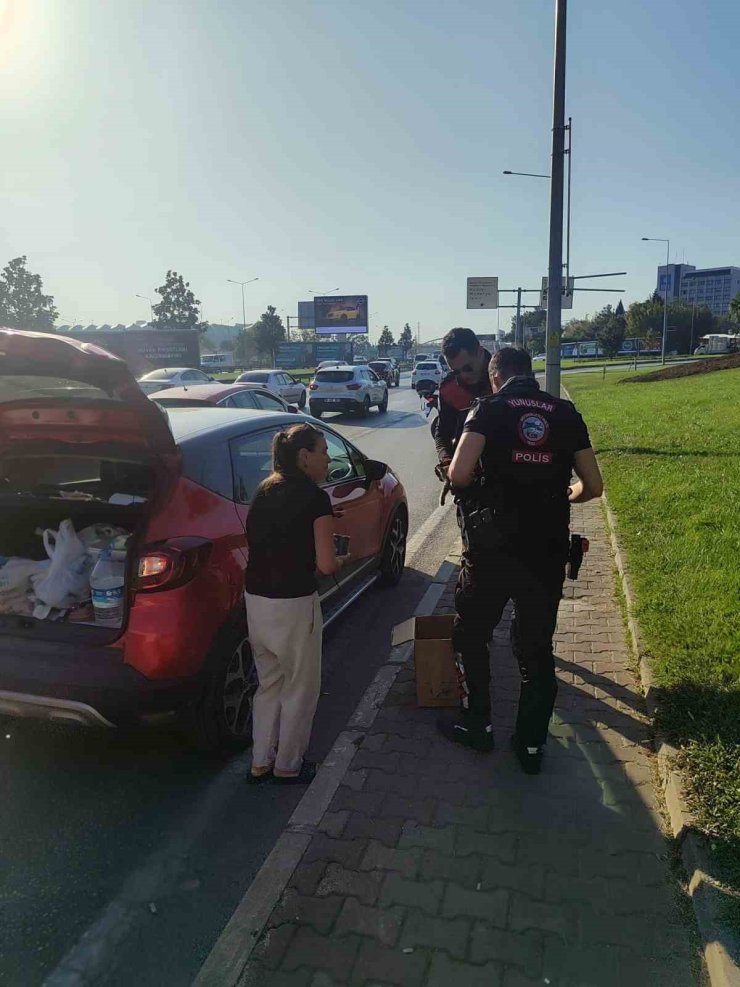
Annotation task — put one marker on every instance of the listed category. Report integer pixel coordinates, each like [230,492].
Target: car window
[242,399]
[199,375]
[341,465]
[336,376]
[427,366]
[267,402]
[254,377]
[251,462]
[284,380]
[372,375]
[159,375]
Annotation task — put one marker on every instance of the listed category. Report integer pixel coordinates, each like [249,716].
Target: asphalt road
[127,854]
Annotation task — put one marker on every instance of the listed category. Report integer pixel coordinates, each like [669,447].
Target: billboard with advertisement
[293,356]
[147,349]
[340,314]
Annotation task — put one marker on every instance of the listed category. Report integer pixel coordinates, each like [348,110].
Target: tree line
[24,305]
[687,323]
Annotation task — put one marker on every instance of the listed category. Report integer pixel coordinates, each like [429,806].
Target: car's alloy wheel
[221,721]
[394,554]
[240,685]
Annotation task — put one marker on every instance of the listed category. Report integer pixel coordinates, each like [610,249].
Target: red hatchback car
[80,440]
[223,396]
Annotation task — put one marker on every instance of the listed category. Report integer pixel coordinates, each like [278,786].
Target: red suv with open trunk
[79,440]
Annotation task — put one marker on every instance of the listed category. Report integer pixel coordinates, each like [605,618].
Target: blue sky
[358,144]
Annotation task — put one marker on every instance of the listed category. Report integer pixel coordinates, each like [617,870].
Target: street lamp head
[508,172]
[646,238]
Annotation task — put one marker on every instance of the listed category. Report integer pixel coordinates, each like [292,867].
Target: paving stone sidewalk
[439,867]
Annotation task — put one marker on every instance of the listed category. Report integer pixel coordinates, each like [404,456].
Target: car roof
[341,366]
[166,370]
[263,370]
[192,424]
[207,393]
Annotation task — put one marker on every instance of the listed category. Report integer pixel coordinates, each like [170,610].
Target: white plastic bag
[67,581]
[15,584]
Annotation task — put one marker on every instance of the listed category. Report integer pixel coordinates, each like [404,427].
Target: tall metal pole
[567,225]
[518,340]
[555,266]
[244,311]
[665,302]
[693,316]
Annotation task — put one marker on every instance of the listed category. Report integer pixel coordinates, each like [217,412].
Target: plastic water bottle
[107,583]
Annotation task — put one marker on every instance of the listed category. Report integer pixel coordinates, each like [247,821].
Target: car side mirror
[293,409]
[375,470]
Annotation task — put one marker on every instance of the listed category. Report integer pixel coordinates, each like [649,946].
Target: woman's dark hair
[458,339]
[285,448]
[510,362]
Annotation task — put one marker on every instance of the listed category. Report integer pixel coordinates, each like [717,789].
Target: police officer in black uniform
[513,465]
[467,380]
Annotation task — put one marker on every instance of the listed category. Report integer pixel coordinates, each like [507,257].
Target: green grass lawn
[670,454]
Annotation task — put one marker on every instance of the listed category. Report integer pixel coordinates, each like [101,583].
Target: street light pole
[555,265]
[244,307]
[518,340]
[657,239]
[530,174]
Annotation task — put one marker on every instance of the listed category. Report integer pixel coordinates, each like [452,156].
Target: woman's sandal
[304,777]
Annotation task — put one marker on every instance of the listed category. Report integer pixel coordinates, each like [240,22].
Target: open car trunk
[79,443]
[39,493]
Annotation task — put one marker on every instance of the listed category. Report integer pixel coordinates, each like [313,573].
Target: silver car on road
[279,382]
[347,388]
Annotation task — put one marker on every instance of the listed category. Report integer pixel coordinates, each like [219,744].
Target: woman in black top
[290,532]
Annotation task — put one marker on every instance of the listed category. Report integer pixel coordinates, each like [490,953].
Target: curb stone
[706,896]
[231,952]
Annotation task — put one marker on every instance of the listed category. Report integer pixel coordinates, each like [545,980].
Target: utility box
[434,658]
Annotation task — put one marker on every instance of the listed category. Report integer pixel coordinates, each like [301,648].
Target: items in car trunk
[107,582]
[46,589]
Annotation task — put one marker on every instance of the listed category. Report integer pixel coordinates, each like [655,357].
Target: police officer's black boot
[530,758]
[468,729]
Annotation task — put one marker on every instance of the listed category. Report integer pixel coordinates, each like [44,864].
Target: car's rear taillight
[313,386]
[172,563]
[353,387]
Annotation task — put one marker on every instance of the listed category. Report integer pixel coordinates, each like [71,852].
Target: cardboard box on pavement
[434,658]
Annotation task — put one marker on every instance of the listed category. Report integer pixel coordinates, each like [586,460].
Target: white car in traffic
[347,388]
[161,380]
[429,371]
[279,382]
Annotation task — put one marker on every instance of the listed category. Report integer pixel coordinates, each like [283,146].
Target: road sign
[482,292]
[566,300]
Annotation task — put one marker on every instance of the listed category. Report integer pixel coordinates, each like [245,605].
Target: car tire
[364,410]
[393,559]
[383,406]
[302,401]
[316,410]
[221,720]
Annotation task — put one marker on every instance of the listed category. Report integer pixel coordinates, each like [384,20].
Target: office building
[714,287]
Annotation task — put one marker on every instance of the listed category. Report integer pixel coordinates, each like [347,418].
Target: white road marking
[426,530]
